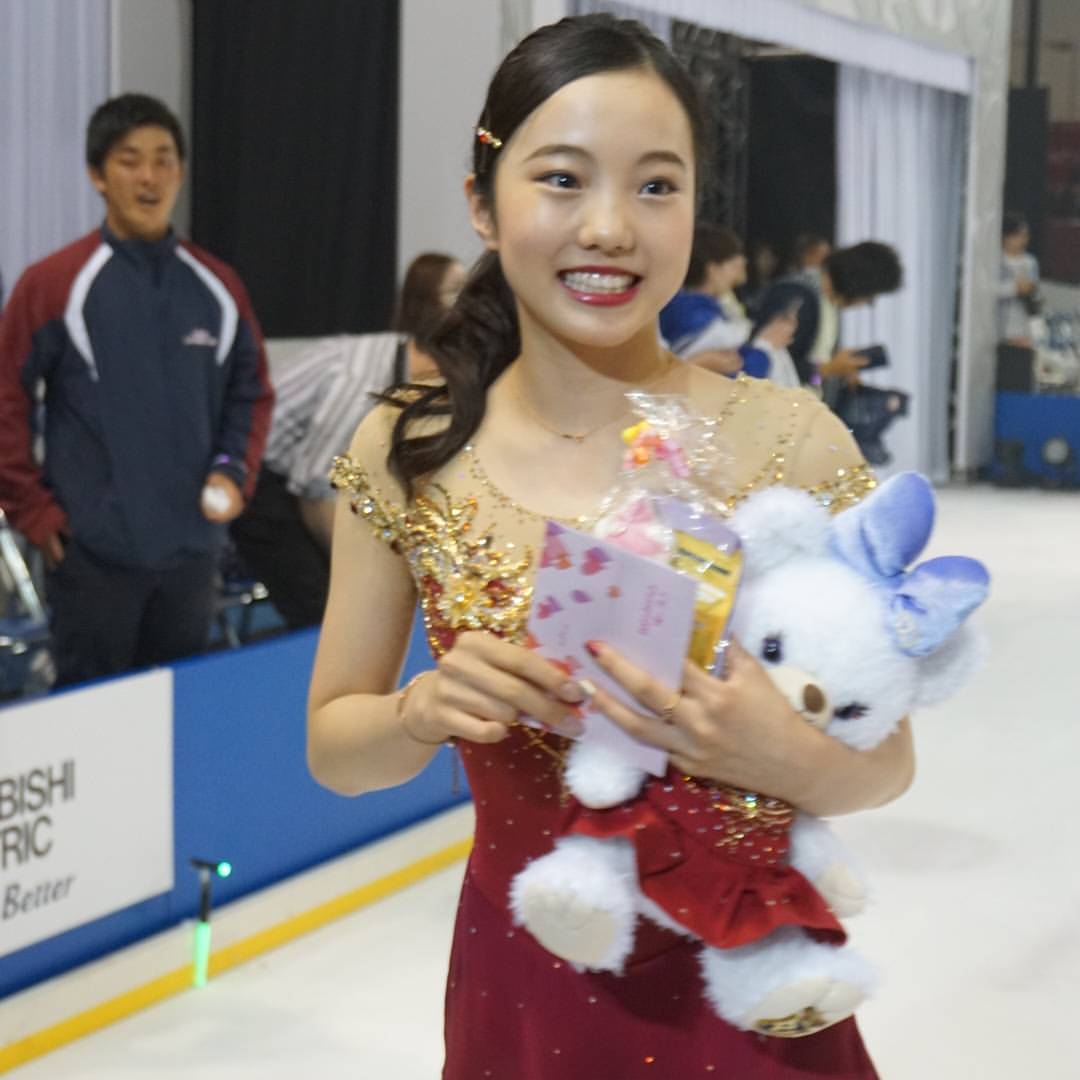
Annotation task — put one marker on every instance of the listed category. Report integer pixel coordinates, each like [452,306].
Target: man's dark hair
[1012,223]
[113,119]
[864,271]
[807,242]
[712,244]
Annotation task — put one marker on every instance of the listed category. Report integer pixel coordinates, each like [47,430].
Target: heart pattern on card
[595,560]
[548,606]
[555,552]
[644,609]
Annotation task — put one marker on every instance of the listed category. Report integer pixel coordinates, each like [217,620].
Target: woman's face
[765,261]
[594,209]
[727,276]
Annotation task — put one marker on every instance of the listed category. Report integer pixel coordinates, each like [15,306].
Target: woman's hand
[739,730]
[779,332]
[482,685]
[845,365]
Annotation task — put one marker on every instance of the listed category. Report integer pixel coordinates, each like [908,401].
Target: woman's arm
[362,735]
[355,740]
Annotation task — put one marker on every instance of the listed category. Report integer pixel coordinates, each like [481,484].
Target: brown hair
[419,307]
[712,244]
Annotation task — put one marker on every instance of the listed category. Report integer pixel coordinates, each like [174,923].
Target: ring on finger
[667,713]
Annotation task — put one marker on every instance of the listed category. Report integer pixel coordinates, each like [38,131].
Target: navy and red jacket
[154,375]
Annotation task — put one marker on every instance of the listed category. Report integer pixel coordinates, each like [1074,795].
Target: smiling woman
[583,191]
[593,191]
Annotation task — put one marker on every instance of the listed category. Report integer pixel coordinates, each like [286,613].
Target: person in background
[811,251]
[283,536]
[704,322]
[763,263]
[1066,201]
[157,404]
[1018,283]
[849,278]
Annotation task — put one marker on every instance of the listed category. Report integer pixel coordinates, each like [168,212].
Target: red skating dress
[513,1010]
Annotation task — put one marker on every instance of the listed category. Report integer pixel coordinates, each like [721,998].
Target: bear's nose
[813,698]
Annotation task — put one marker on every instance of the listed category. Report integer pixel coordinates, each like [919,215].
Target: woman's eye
[854,711]
[772,649]
[562,180]
[659,187]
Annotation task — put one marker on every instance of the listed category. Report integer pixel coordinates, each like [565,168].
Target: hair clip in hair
[486,136]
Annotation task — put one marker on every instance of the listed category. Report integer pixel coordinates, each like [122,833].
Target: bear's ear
[777,523]
[953,663]
[884,534]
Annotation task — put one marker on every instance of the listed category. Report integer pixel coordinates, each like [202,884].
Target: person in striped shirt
[321,396]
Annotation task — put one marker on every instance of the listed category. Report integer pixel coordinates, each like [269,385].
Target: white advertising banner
[86,805]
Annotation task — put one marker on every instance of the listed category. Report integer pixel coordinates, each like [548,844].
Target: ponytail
[473,345]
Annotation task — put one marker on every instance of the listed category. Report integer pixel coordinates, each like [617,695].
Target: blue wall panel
[243,793]
[1029,420]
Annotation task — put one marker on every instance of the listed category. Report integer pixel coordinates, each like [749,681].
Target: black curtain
[792,158]
[1027,159]
[717,63]
[294,156]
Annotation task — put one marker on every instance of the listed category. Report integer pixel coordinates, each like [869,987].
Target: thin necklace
[580,436]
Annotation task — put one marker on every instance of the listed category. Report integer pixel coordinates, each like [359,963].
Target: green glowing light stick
[200,952]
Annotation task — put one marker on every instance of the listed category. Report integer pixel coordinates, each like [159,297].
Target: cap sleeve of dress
[828,463]
[364,478]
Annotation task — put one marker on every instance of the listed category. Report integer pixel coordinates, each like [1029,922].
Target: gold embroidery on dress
[347,476]
[466,581]
[849,487]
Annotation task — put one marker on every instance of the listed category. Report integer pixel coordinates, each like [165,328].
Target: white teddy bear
[855,641]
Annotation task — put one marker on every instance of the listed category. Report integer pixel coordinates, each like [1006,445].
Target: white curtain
[900,179]
[801,26]
[658,23]
[54,72]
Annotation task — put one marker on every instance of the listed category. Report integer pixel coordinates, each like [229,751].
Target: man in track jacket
[156,407]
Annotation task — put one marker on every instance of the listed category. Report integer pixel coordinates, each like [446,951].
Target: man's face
[1016,243]
[140,180]
[816,256]
[851,305]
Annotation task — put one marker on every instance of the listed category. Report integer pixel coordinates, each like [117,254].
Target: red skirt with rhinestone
[714,860]
[515,1012]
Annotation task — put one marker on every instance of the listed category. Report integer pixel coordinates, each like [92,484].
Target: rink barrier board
[243,793]
[245,948]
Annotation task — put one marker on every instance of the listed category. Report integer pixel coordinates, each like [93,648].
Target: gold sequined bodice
[470,547]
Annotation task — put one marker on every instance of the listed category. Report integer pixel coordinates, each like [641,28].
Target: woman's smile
[601,286]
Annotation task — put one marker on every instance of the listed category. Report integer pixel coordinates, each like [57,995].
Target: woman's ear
[483,221]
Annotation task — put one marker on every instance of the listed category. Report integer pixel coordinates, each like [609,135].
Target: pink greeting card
[589,589]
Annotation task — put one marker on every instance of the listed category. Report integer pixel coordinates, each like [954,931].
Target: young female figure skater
[585,169]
